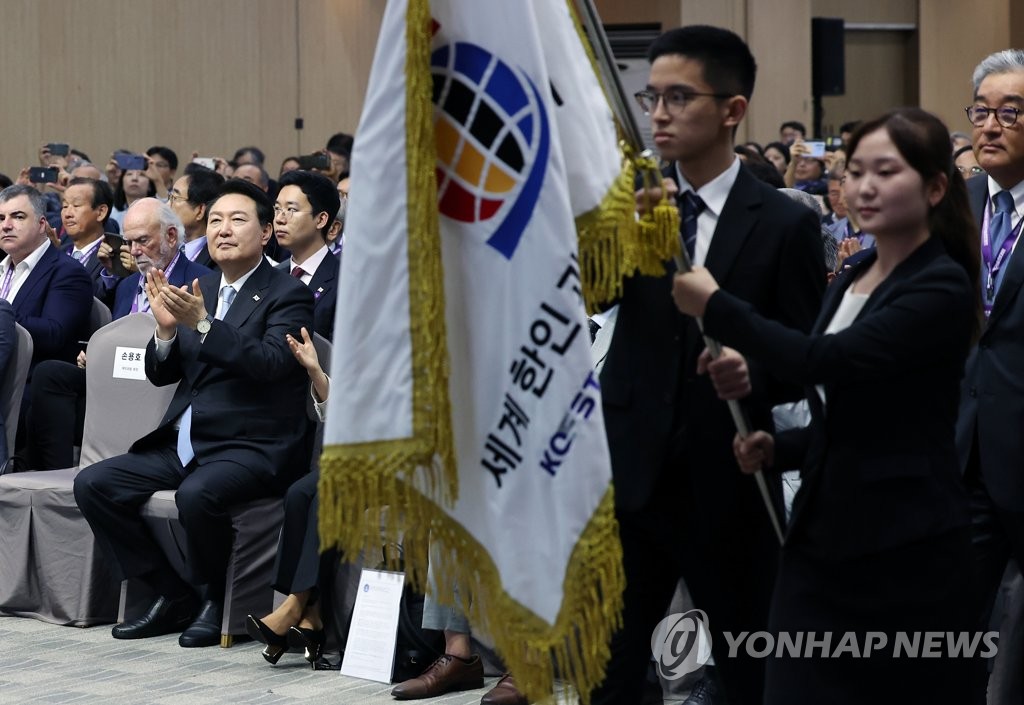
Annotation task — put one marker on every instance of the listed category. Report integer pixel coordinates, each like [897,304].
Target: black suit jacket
[660,416]
[53,304]
[324,286]
[247,392]
[992,398]
[878,462]
[205,260]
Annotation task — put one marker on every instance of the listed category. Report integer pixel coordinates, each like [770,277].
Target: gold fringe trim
[432,444]
[576,647]
[613,243]
[360,482]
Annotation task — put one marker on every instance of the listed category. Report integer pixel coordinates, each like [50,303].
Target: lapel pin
[255,297]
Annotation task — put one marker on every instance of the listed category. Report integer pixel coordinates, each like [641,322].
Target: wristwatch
[203,326]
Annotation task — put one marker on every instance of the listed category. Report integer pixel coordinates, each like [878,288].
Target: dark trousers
[730,577]
[57,416]
[997,535]
[299,565]
[111,492]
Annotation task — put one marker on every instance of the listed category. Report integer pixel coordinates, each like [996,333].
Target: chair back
[12,385]
[99,316]
[119,411]
[323,352]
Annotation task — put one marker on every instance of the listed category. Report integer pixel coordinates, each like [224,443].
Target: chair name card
[129,363]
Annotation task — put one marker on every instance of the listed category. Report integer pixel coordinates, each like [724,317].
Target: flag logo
[493,140]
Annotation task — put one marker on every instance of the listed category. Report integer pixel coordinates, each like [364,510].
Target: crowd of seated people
[240,268]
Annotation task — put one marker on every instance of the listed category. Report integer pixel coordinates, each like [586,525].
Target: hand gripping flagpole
[624,115]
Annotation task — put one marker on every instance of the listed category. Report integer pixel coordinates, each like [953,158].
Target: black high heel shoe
[276,644]
[312,640]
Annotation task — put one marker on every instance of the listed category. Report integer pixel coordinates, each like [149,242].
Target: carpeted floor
[44,663]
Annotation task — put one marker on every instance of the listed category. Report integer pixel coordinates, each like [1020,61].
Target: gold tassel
[367,491]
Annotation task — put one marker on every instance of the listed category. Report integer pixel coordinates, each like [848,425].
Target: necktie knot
[227,295]
[297,272]
[1004,202]
[691,206]
[76,255]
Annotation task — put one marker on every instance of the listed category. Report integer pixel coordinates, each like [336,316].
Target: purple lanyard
[993,267]
[8,280]
[87,253]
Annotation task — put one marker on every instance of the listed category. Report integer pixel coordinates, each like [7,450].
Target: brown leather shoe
[504,693]
[447,674]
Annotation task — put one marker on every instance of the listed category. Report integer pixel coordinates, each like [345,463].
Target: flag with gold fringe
[463,410]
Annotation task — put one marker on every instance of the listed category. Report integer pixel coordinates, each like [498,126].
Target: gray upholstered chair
[250,568]
[99,316]
[50,565]
[12,386]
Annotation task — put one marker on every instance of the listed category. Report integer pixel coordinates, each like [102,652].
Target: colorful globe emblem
[493,140]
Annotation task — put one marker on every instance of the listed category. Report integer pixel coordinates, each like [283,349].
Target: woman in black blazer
[879,540]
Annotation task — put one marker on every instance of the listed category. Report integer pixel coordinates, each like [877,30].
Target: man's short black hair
[729,67]
[102,194]
[204,185]
[321,192]
[341,143]
[167,153]
[264,208]
[796,125]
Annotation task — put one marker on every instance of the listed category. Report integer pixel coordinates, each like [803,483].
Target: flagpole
[617,96]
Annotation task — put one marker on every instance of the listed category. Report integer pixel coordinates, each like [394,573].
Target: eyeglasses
[970,170]
[1005,115]
[288,212]
[675,99]
[173,198]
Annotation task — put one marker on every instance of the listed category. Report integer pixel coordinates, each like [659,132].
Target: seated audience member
[836,204]
[791,131]
[254,174]
[163,165]
[85,208]
[806,173]
[51,293]
[56,419]
[966,162]
[959,139]
[232,432]
[778,154]
[134,184]
[300,568]
[755,146]
[189,198]
[248,155]
[339,149]
[303,215]
[829,244]
[8,343]
[847,129]
[336,235]
[289,164]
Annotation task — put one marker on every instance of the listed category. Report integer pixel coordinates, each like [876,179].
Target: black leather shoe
[163,617]
[205,630]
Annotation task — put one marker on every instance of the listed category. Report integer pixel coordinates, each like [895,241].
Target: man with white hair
[152,231]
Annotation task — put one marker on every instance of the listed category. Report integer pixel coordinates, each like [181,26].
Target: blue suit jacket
[53,305]
[184,272]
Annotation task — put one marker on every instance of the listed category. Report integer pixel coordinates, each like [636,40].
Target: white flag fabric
[463,406]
